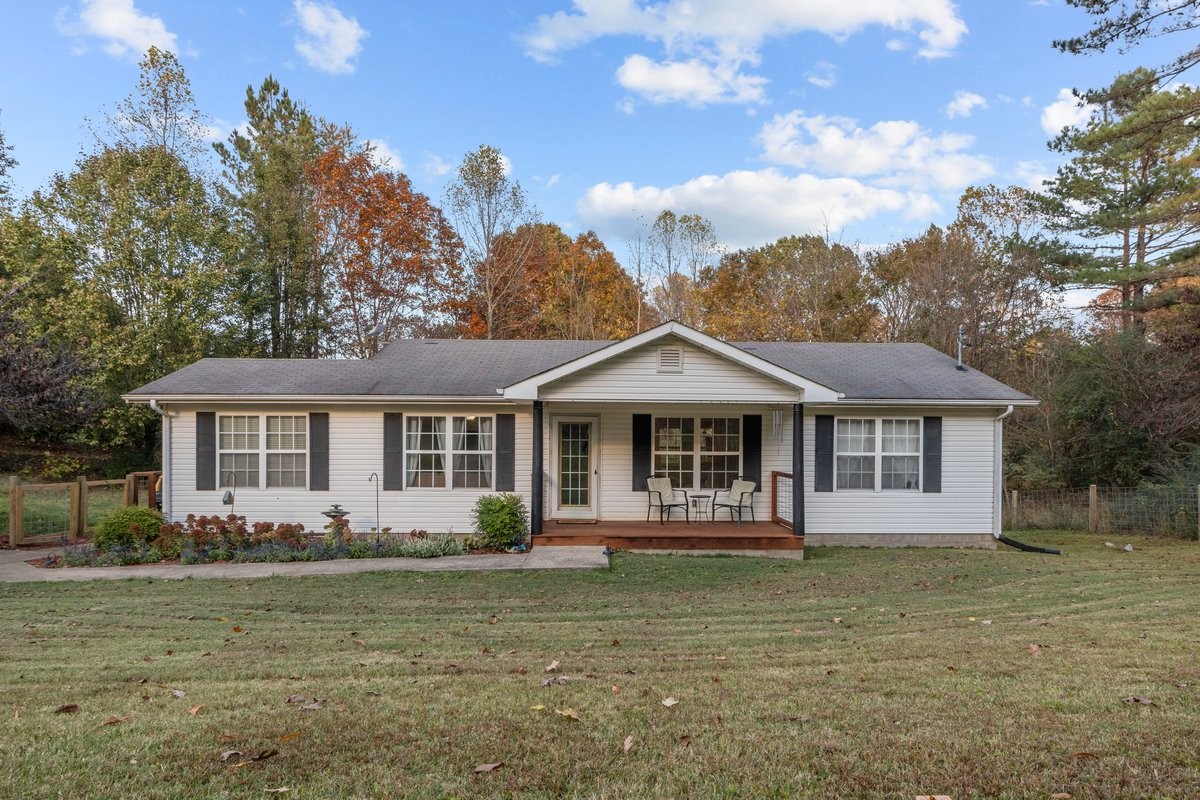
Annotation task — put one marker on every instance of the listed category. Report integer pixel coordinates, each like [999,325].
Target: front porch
[676,535]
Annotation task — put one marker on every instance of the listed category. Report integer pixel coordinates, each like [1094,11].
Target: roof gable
[531,388]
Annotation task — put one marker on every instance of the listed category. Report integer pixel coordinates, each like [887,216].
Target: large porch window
[698,452]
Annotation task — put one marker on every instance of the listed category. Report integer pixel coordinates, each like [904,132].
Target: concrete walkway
[13,568]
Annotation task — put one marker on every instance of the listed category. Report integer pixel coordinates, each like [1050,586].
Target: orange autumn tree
[393,258]
[563,288]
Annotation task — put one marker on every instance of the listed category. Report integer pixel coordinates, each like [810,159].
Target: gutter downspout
[166,456]
[998,473]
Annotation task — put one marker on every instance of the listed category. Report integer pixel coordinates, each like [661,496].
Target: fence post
[73,512]
[1093,509]
[83,505]
[1198,512]
[1016,510]
[130,490]
[16,513]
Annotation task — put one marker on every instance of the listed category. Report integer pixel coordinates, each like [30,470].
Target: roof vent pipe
[962,342]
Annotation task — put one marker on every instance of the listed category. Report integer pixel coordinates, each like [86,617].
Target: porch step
[673,542]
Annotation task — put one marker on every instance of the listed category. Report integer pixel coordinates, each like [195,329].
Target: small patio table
[700,502]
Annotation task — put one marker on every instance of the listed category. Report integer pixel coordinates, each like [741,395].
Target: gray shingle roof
[479,368]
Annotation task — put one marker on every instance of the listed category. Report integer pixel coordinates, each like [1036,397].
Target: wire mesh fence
[1168,510]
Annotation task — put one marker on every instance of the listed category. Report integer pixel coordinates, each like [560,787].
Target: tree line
[290,239]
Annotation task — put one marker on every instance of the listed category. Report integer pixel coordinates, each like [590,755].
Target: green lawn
[856,673]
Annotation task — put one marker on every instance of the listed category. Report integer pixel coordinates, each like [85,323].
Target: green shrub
[431,547]
[501,521]
[129,527]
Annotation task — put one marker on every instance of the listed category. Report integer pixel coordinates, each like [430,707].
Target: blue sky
[863,117]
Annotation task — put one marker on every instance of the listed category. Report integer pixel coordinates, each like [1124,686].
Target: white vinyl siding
[355,452]
[702,377]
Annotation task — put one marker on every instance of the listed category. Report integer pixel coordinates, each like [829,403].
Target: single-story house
[893,444]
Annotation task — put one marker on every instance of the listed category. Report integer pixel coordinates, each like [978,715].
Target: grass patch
[856,673]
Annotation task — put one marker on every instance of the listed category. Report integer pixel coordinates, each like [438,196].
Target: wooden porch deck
[675,535]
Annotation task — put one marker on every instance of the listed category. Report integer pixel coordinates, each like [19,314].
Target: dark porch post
[798,469]
[535,489]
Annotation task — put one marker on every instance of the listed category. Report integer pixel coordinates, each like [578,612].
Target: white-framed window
[425,452]
[238,445]
[698,452]
[464,459]
[242,450]
[471,457]
[878,454]
[287,451]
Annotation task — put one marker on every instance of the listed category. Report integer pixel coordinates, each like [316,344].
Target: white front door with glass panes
[576,470]
[698,453]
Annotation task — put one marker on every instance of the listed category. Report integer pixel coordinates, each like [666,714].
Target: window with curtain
[425,452]
[471,456]
[674,450]
[287,451]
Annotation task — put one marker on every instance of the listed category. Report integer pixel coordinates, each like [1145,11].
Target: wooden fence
[62,509]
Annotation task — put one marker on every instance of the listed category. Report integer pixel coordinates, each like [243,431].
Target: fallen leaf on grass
[670,701]
[837,619]
[537,708]
[557,680]
[180,693]
[237,628]
[263,755]
[1061,796]
[229,755]
[627,745]
[1086,756]
[195,709]
[315,705]
[222,619]
[294,698]
[287,737]
[278,790]
[114,720]
[567,712]
[616,689]
[229,737]
[489,767]
[685,741]
[1035,650]
[1136,700]
[552,666]
[67,708]
[616,642]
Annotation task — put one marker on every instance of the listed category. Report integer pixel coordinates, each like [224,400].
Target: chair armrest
[653,492]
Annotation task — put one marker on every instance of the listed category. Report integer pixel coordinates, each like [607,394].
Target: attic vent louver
[670,359]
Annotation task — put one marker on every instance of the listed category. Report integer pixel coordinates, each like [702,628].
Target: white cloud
[329,40]
[553,180]
[626,105]
[1067,111]
[435,165]
[384,157]
[748,208]
[1032,174]
[125,31]
[895,153]
[964,104]
[708,44]
[823,74]
[896,45]
[693,81]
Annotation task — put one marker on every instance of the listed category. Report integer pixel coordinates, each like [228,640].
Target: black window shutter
[752,448]
[206,450]
[318,451]
[931,454]
[823,465]
[393,451]
[506,446]
[641,451]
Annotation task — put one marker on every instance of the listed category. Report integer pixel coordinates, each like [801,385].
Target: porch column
[535,489]
[798,469]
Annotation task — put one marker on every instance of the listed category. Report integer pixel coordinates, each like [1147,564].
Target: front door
[576,468]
